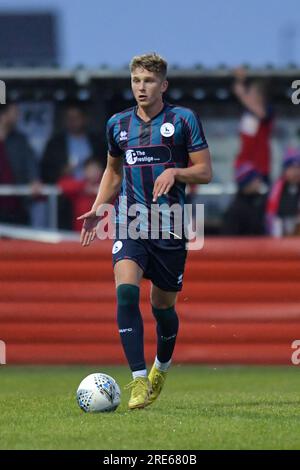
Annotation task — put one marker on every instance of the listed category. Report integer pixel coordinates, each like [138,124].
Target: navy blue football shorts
[162,261]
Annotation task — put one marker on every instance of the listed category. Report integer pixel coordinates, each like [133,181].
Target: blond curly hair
[152,62]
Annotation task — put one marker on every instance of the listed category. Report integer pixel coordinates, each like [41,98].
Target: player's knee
[161,305]
[128,294]
[161,301]
[164,313]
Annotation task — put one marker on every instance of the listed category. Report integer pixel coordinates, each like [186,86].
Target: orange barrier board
[240,303]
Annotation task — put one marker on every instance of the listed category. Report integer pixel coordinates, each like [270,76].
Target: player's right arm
[111,182]
[108,190]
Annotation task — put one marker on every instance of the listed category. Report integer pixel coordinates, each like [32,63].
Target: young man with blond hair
[149,150]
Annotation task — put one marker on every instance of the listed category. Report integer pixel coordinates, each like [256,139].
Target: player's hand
[164,183]
[88,232]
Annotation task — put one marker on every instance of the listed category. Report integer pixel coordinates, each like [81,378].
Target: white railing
[17,232]
[49,191]
[52,192]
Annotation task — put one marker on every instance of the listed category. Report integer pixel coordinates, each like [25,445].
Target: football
[98,393]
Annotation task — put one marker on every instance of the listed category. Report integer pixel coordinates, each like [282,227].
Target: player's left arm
[200,172]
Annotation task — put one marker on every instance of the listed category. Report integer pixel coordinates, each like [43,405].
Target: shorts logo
[117,247]
[179,279]
[167,129]
[131,157]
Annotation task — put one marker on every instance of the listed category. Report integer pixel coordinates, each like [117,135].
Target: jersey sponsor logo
[117,247]
[123,136]
[131,157]
[167,129]
[148,155]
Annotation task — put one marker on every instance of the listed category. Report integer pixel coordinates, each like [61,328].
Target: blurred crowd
[260,207]
[74,161]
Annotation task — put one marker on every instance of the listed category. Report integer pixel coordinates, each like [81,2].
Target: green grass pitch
[200,408]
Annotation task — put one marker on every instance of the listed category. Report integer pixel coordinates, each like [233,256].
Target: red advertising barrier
[240,303]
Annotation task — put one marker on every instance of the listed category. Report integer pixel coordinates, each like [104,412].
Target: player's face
[147,87]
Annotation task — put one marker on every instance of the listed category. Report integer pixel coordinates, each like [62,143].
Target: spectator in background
[283,210]
[246,213]
[82,192]
[255,125]
[71,148]
[18,165]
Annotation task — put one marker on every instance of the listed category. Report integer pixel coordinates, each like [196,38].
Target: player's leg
[128,275]
[167,323]
[166,273]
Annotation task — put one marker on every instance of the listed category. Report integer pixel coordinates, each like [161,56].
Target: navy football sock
[131,326]
[167,329]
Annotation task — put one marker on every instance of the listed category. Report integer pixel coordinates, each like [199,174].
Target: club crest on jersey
[123,136]
[167,129]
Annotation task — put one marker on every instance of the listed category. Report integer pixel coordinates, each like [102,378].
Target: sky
[214,32]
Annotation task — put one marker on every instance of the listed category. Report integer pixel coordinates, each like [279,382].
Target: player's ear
[164,86]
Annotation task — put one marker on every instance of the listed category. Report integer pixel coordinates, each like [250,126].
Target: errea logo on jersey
[167,129]
[123,136]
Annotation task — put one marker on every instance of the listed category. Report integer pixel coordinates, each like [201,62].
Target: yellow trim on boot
[157,379]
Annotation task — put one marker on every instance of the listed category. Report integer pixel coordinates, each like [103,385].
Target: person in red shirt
[255,124]
[82,192]
[283,209]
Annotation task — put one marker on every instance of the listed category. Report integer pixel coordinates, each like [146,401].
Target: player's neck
[146,114]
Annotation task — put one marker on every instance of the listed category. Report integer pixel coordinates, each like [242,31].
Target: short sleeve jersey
[149,148]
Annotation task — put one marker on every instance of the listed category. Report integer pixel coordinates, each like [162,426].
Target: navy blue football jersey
[149,148]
